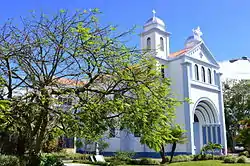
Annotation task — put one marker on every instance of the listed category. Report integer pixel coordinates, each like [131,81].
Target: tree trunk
[172,152]
[162,153]
[20,146]
[33,160]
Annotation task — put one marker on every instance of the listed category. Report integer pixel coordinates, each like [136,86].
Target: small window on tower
[162,44]
[148,43]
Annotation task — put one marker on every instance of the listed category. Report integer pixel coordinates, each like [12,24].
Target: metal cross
[153,13]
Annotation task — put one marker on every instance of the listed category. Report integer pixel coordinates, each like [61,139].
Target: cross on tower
[153,12]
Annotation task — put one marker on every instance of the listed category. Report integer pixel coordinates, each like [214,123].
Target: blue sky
[225,23]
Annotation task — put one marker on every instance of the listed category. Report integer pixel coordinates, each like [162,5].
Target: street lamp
[242,58]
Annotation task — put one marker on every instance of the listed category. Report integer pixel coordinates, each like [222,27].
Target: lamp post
[242,58]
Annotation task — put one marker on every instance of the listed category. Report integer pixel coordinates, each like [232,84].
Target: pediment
[202,53]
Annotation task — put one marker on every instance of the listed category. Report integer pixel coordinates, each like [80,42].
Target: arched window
[209,76]
[162,44]
[148,43]
[196,70]
[203,74]
[215,78]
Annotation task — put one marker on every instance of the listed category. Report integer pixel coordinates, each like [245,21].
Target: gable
[202,53]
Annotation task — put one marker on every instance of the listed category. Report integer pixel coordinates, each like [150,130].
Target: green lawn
[205,163]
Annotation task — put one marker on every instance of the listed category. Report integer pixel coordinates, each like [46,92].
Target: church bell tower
[155,38]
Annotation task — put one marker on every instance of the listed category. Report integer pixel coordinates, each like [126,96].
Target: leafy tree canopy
[69,75]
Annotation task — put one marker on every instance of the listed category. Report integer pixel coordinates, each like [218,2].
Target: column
[186,69]
[223,138]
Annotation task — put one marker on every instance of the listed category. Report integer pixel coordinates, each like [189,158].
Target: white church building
[195,74]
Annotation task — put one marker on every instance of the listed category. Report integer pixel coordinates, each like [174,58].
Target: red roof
[66,81]
[178,53]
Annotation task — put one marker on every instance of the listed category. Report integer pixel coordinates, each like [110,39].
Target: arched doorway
[206,126]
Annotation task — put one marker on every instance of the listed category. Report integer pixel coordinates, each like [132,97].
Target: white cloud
[237,70]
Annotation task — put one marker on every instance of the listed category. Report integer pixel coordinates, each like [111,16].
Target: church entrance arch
[206,126]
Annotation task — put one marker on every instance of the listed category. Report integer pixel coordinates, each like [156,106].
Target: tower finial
[153,11]
[197,33]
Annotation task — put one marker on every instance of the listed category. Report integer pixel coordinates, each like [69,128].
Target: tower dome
[194,39]
[154,22]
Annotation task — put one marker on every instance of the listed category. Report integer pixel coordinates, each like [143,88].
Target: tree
[237,106]
[244,133]
[178,138]
[158,138]
[68,75]
[211,147]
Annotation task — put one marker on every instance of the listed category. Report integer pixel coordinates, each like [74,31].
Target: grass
[206,163]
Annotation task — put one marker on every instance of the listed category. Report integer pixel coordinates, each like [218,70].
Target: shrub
[206,157]
[182,158]
[148,161]
[124,156]
[9,160]
[242,159]
[100,163]
[134,162]
[82,161]
[245,153]
[230,159]
[109,159]
[219,157]
[117,162]
[51,161]
[51,146]
[68,156]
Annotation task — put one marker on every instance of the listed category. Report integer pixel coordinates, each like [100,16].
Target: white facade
[195,75]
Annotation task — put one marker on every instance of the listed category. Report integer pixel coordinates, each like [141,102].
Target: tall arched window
[148,43]
[215,78]
[209,76]
[203,74]
[196,70]
[162,44]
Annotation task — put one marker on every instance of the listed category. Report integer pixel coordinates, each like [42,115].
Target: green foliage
[219,157]
[109,159]
[148,161]
[236,96]
[244,135]
[244,153]
[230,159]
[182,158]
[51,146]
[117,162]
[72,56]
[134,162]
[123,156]
[50,160]
[211,147]
[67,156]
[9,161]
[206,163]
[100,163]
[242,159]
[207,157]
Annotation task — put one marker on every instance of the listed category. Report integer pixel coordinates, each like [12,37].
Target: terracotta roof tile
[178,53]
[65,81]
